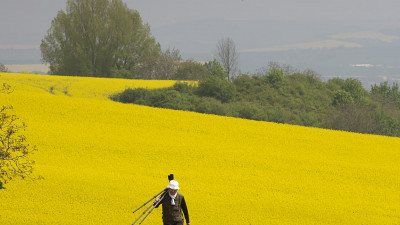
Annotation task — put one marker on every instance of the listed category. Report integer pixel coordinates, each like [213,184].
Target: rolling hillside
[101,160]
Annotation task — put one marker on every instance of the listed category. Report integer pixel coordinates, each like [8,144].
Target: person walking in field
[173,204]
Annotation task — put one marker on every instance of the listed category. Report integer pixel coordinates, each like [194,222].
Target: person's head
[173,187]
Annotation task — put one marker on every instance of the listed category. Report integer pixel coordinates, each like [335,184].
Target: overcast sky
[25,22]
[169,11]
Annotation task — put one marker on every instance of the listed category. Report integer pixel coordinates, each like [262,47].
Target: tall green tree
[100,38]
[3,68]
[215,69]
[355,88]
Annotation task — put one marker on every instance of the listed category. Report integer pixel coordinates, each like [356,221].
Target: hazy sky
[168,11]
[25,22]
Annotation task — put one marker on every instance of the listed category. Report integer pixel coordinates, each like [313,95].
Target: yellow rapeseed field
[101,160]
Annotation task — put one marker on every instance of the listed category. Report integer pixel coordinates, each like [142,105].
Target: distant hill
[28,68]
[197,40]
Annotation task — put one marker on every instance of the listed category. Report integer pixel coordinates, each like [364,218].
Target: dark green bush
[335,84]
[249,111]
[222,90]
[355,88]
[167,99]
[308,119]
[278,115]
[217,108]
[215,69]
[202,105]
[132,95]
[183,87]
[388,125]
[276,78]
[342,98]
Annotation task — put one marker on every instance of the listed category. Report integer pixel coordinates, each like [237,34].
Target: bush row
[295,98]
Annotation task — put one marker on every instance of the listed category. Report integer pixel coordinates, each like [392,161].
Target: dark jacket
[173,213]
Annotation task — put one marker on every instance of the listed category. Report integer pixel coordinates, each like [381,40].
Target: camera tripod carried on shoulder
[148,210]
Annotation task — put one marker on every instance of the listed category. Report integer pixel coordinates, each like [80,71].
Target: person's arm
[185,211]
[157,202]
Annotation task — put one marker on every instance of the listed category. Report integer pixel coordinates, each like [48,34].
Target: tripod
[161,195]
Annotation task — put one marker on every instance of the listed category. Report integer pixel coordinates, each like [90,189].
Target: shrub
[276,78]
[217,108]
[215,69]
[389,126]
[245,84]
[308,119]
[132,96]
[342,98]
[222,90]
[170,99]
[390,93]
[278,115]
[312,75]
[249,111]
[208,105]
[355,88]
[335,84]
[183,87]
[202,105]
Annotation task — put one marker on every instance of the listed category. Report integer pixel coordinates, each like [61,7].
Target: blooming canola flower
[100,160]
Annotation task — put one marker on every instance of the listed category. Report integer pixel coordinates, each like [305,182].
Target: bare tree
[168,64]
[228,56]
[14,149]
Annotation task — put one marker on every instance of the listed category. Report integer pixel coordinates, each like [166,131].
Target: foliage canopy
[99,38]
[3,68]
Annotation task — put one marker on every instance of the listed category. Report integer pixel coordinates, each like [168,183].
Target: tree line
[282,94]
[103,38]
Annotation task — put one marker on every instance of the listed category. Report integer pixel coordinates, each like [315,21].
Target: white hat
[173,184]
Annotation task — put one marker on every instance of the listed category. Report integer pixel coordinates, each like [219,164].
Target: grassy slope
[102,159]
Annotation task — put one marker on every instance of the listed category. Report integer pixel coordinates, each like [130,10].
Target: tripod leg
[153,207]
[142,214]
[155,196]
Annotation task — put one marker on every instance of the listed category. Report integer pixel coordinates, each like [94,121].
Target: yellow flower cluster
[101,160]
